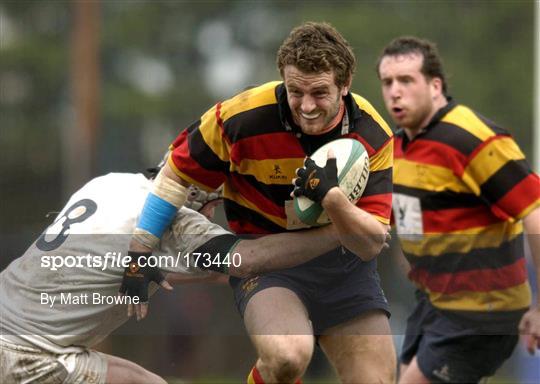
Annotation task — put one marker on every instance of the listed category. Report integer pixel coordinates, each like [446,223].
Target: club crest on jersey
[277,173]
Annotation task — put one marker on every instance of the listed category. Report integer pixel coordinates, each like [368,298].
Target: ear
[436,86]
[345,89]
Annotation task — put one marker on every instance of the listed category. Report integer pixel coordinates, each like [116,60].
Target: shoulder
[465,130]
[367,108]
[368,126]
[250,99]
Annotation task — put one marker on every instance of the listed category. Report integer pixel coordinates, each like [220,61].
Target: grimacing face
[314,98]
[409,96]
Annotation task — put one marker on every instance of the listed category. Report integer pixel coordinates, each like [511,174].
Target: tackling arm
[283,250]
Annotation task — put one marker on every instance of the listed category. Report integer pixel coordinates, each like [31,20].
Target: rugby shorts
[450,351]
[334,288]
[23,364]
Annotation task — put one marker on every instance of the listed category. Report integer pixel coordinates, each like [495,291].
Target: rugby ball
[353,172]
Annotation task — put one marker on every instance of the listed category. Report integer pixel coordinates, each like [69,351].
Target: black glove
[136,278]
[313,181]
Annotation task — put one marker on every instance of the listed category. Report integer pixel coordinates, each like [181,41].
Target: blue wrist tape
[156,215]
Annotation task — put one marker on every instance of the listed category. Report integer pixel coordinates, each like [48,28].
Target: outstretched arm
[283,250]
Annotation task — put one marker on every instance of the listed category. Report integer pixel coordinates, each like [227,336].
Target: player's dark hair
[431,64]
[316,47]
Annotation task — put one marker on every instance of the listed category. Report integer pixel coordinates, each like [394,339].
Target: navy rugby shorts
[452,351]
[335,287]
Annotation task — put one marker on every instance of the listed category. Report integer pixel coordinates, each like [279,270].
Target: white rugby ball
[352,162]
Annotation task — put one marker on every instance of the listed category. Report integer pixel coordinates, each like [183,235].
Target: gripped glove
[313,181]
[136,278]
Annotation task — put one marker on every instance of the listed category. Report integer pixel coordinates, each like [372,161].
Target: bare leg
[413,375]
[122,371]
[281,332]
[362,350]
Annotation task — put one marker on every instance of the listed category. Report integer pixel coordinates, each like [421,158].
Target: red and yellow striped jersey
[460,189]
[250,144]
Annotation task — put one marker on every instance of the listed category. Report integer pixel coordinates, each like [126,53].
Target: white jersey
[61,308]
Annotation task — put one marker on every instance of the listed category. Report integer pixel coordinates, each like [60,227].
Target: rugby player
[253,143]
[58,299]
[463,193]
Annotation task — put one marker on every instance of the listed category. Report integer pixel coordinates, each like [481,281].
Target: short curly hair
[316,47]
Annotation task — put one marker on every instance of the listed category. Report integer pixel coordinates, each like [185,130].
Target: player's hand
[135,282]
[387,238]
[530,327]
[313,181]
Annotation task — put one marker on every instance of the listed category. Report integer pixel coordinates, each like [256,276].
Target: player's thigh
[22,364]
[122,371]
[411,374]
[278,324]
[362,350]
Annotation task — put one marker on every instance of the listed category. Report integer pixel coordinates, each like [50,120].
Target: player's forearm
[532,229]
[283,250]
[358,231]
[168,194]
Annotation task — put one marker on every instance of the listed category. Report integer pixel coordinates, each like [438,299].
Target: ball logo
[358,188]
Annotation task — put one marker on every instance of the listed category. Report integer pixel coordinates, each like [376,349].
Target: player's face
[314,98]
[408,95]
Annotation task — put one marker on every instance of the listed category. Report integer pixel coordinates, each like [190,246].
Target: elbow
[371,247]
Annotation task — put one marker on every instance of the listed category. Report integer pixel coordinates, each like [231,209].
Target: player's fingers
[301,172]
[165,284]
[298,191]
[531,342]
[308,162]
[523,325]
[144,310]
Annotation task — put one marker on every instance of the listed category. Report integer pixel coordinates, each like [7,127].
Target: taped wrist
[160,208]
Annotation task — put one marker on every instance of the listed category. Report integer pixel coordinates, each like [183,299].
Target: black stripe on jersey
[253,122]
[203,155]
[237,212]
[484,258]
[453,136]
[379,182]
[440,200]
[370,130]
[502,181]
[277,193]
[193,126]
[494,127]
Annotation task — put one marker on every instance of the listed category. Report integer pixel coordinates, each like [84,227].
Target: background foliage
[164,62]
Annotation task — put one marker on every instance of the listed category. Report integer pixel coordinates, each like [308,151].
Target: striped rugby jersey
[250,144]
[460,189]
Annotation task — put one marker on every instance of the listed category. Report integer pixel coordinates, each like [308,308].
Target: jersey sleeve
[498,172]
[201,153]
[377,197]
